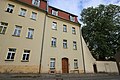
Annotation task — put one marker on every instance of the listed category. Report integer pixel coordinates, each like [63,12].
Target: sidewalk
[99,76]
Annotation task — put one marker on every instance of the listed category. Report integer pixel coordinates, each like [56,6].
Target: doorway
[95,68]
[65,65]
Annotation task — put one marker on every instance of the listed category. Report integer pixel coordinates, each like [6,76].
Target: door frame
[66,64]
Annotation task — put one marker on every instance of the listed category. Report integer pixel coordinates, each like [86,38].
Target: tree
[101,30]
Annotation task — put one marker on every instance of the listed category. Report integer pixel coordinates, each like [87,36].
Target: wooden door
[65,65]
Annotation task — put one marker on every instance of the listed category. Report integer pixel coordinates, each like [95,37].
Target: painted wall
[88,58]
[59,52]
[20,43]
[107,66]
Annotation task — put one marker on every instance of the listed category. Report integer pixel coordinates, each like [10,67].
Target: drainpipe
[42,45]
[82,50]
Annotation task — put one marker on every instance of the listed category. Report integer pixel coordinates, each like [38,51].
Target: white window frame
[72,18]
[75,64]
[12,52]
[30,33]
[22,12]
[54,25]
[73,30]
[64,43]
[27,55]
[64,28]
[36,3]
[74,45]
[55,12]
[17,30]
[52,63]
[53,42]
[10,8]
[3,27]
[34,15]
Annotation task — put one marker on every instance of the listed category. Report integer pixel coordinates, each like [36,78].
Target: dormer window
[36,2]
[55,12]
[72,18]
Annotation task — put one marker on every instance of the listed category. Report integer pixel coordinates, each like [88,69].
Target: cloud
[76,6]
[95,3]
[66,5]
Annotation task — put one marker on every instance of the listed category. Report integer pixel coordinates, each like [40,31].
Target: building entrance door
[65,68]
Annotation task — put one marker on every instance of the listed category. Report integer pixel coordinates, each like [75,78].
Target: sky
[76,6]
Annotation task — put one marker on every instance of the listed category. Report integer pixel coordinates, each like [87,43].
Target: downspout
[82,50]
[42,45]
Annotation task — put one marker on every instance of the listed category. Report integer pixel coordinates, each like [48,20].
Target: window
[34,15]
[22,12]
[3,27]
[72,18]
[55,12]
[64,28]
[30,33]
[54,26]
[53,42]
[64,43]
[11,54]
[25,56]
[17,31]
[10,8]
[52,63]
[73,30]
[74,45]
[75,64]
[36,2]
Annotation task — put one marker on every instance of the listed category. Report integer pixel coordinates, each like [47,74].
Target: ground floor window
[75,64]
[52,63]
[11,54]
[25,56]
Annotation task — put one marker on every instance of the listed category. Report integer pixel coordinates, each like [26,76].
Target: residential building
[38,38]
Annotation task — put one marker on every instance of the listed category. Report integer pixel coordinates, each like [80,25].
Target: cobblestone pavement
[59,77]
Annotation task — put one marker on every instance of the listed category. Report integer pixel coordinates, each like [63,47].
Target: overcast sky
[75,6]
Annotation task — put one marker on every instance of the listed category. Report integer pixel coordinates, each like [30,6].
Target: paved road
[59,77]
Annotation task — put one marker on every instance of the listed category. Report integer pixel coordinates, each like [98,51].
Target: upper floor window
[75,64]
[22,12]
[10,8]
[3,27]
[25,56]
[72,18]
[36,2]
[64,43]
[64,28]
[54,25]
[34,16]
[52,63]
[73,30]
[55,12]
[30,33]
[53,42]
[11,54]
[17,31]
[74,45]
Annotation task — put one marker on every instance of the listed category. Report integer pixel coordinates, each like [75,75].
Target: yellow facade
[21,43]
[59,52]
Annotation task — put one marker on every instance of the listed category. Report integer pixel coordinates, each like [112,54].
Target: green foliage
[101,30]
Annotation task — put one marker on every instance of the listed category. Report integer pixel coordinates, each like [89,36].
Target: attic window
[72,18]
[55,12]
[36,2]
